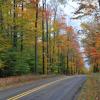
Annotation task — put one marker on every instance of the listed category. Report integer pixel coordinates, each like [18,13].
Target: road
[57,88]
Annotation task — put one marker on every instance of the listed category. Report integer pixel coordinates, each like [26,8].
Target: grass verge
[91,89]
[20,80]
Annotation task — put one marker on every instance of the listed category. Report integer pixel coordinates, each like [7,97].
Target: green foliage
[9,60]
[16,63]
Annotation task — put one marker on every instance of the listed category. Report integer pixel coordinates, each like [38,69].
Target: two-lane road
[57,88]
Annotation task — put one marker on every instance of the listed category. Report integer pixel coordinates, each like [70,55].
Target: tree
[35,39]
[86,8]
[91,44]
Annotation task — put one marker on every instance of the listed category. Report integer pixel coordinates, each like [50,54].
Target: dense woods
[91,31]
[92,45]
[34,38]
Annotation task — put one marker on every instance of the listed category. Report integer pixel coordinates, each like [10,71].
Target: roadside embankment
[91,89]
[20,80]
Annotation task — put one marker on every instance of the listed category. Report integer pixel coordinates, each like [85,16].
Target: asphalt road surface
[57,88]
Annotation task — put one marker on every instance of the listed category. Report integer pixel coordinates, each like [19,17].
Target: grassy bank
[20,80]
[91,89]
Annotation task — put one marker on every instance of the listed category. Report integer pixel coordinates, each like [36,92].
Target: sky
[69,10]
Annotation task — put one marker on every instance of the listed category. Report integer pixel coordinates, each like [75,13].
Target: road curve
[58,88]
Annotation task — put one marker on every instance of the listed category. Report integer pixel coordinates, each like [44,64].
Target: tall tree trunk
[67,63]
[21,48]
[49,49]
[14,26]
[47,37]
[43,48]
[58,59]
[1,16]
[36,37]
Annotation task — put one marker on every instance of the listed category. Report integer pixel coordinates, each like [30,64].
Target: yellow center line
[34,90]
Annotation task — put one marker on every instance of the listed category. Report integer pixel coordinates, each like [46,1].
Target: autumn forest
[35,38]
